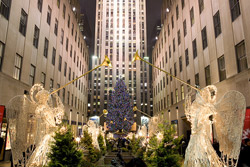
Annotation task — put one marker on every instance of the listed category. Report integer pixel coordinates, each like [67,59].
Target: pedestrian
[245,160]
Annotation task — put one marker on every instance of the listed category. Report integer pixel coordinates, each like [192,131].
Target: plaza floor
[5,164]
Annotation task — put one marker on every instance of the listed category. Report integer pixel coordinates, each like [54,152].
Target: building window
[49,15]
[168,30]
[40,5]
[182,93]
[32,74]
[51,83]
[172,19]
[62,36]
[179,37]
[197,79]
[188,87]
[65,69]
[53,56]
[207,75]
[180,63]
[23,22]
[64,10]
[186,57]
[63,94]
[182,3]
[58,3]
[176,95]
[241,56]
[185,28]
[56,27]
[67,44]
[5,8]
[172,98]
[175,70]
[1,54]
[68,97]
[204,37]
[36,37]
[217,26]
[68,21]
[174,45]
[235,8]
[194,48]
[222,68]
[177,12]
[58,92]
[43,79]
[60,64]
[18,67]
[201,5]
[192,16]
[69,73]
[46,47]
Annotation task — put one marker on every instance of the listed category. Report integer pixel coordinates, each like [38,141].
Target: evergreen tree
[102,146]
[120,112]
[165,152]
[93,153]
[64,151]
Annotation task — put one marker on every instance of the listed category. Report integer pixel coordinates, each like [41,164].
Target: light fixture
[74,9]
[156,38]
[167,10]
[84,37]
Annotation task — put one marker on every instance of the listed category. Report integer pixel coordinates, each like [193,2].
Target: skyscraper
[120,31]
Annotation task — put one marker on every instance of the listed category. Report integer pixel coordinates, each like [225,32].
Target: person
[245,160]
[136,162]
[1,144]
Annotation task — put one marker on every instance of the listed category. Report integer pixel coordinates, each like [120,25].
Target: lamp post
[70,115]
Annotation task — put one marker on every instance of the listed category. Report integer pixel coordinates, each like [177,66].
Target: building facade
[202,42]
[120,31]
[41,42]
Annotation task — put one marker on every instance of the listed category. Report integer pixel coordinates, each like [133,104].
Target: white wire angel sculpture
[228,118]
[32,123]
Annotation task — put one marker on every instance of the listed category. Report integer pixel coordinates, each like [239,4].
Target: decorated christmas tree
[120,112]
[64,150]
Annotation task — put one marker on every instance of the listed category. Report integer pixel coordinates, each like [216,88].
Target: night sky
[153,17]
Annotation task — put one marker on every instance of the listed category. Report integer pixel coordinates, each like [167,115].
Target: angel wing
[229,121]
[21,118]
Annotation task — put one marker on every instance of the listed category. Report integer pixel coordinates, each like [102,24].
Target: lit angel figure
[228,115]
[93,130]
[32,123]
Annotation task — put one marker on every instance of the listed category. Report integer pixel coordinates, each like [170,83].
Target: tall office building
[120,31]
[203,42]
[41,42]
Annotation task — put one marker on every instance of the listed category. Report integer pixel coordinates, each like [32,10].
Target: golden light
[134,108]
[107,62]
[105,112]
[136,57]
[78,139]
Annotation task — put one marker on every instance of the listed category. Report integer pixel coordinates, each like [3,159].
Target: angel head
[42,97]
[208,94]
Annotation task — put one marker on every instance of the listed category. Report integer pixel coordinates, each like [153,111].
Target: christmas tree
[101,144]
[120,112]
[93,153]
[64,150]
[164,152]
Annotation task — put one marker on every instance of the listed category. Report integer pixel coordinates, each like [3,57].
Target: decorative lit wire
[137,57]
[106,62]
